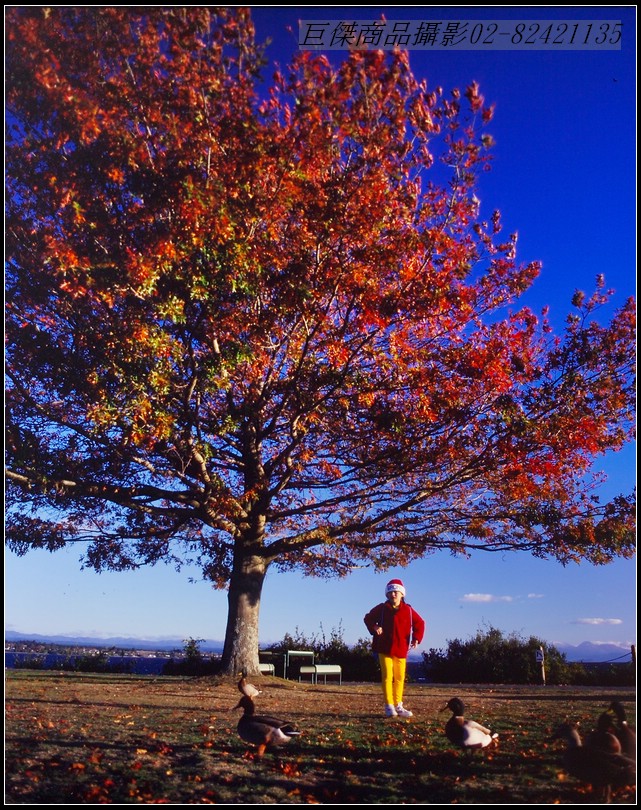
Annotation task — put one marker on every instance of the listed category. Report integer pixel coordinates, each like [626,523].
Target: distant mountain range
[595,653]
[125,642]
[586,652]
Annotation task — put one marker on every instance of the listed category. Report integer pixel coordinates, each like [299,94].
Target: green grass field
[118,739]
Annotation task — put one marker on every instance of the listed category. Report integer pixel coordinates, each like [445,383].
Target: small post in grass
[540,660]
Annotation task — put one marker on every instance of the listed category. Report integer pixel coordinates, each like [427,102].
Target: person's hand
[413,645]
[379,631]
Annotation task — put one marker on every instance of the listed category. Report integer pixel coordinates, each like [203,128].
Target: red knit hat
[395,585]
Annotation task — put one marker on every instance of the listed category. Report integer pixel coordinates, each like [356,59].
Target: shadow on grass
[103,746]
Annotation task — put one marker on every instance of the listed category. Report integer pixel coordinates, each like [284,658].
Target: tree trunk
[241,637]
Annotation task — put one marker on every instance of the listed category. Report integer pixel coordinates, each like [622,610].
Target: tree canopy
[255,323]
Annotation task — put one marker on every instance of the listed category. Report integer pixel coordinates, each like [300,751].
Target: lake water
[136,665]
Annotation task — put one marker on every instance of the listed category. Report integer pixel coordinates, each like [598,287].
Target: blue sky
[564,177]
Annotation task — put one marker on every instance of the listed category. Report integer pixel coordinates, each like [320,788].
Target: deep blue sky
[564,177]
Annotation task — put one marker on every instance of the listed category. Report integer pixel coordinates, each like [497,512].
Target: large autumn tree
[257,325]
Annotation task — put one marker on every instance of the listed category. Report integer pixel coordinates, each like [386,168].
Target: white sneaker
[390,711]
[402,712]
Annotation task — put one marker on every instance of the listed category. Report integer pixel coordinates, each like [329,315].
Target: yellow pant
[393,678]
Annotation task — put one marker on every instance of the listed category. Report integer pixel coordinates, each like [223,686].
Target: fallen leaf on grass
[289,769]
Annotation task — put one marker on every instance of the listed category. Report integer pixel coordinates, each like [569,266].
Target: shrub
[491,657]
[192,661]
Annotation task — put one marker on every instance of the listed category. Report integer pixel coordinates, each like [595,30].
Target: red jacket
[400,627]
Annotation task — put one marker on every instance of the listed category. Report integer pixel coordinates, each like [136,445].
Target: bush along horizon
[490,656]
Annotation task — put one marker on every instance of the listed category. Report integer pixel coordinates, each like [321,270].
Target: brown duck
[625,734]
[603,737]
[246,688]
[261,730]
[594,766]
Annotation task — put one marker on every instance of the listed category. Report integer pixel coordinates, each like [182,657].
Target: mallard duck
[466,734]
[263,731]
[246,688]
[593,766]
[626,736]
